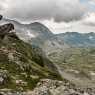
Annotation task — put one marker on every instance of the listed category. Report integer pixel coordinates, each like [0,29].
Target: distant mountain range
[76,39]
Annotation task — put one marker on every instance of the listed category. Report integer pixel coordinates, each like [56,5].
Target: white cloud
[90,19]
[59,15]
[59,10]
[85,25]
[57,27]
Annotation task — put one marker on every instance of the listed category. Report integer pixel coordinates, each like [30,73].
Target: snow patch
[30,34]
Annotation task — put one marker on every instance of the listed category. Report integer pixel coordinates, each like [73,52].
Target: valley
[78,65]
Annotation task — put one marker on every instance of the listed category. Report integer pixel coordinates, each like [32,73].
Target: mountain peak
[5,29]
[37,23]
[40,27]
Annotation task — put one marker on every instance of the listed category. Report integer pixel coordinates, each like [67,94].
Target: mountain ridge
[76,39]
[22,65]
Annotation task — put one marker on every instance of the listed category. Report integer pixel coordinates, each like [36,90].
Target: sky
[58,15]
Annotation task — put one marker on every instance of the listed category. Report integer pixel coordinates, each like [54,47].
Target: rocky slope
[55,87]
[22,65]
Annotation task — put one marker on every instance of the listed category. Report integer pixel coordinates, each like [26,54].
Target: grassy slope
[78,63]
[18,61]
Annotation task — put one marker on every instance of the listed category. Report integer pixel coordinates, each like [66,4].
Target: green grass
[79,59]
[27,59]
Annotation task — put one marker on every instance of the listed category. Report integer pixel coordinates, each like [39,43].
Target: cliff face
[6,29]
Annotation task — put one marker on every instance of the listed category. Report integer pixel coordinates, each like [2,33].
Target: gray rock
[3,77]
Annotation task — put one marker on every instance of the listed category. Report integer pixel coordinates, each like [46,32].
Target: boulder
[3,78]
[1,17]
[6,29]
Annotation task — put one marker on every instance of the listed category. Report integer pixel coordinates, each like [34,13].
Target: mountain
[31,55]
[29,31]
[76,39]
[22,65]
[37,34]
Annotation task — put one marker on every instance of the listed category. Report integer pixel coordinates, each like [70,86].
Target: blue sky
[84,1]
[89,3]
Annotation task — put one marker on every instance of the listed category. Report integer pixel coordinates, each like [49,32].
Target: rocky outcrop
[1,17]
[5,29]
[55,87]
[4,78]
